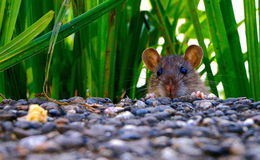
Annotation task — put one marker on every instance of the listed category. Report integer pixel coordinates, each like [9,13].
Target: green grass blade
[25,37]
[252,47]
[53,40]
[200,37]
[73,26]
[10,21]
[164,26]
[2,11]
[221,46]
[234,43]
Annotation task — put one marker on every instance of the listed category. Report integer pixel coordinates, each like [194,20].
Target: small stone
[255,104]
[98,100]
[48,127]
[164,100]
[9,107]
[54,112]
[219,113]
[162,115]
[241,107]
[161,108]
[48,146]
[135,122]
[203,104]
[21,102]
[168,153]
[237,147]
[21,113]
[130,135]
[152,102]
[207,121]
[256,119]
[61,121]
[125,115]
[149,120]
[140,104]
[186,146]
[75,117]
[191,122]
[7,126]
[113,110]
[222,107]
[249,122]
[76,99]
[28,124]
[141,112]
[117,146]
[21,133]
[32,141]
[7,116]
[161,141]
[22,107]
[214,150]
[72,107]
[37,101]
[70,139]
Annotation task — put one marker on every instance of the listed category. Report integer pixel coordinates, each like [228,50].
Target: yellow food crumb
[37,114]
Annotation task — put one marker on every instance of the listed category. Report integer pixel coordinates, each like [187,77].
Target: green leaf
[2,11]
[6,52]
[200,37]
[73,26]
[253,49]
[12,11]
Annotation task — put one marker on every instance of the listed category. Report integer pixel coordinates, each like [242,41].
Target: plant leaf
[6,52]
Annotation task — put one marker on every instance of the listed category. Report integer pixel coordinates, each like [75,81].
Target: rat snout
[169,88]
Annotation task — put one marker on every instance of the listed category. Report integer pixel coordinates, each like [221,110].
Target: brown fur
[181,84]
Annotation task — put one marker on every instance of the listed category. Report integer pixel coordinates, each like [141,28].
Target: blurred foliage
[99,46]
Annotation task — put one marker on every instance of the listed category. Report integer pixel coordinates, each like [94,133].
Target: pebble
[161,108]
[161,141]
[203,104]
[48,127]
[168,153]
[186,146]
[32,141]
[140,104]
[124,115]
[7,116]
[140,112]
[154,128]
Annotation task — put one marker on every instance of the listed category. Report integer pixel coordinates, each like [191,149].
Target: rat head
[173,75]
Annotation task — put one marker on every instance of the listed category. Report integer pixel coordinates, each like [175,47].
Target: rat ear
[151,58]
[193,55]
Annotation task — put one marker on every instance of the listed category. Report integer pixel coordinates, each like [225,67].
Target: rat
[175,75]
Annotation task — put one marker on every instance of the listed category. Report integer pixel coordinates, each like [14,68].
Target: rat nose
[169,88]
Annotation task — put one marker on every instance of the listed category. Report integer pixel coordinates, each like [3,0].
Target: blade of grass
[9,20]
[2,11]
[9,23]
[25,37]
[53,40]
[221,45]
[234,43]
[30,12]
[73,26]
[252,47]
[200,37]
[164,26]
[109,79]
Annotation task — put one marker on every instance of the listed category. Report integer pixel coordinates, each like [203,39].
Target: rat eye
[183,70]
[159,72]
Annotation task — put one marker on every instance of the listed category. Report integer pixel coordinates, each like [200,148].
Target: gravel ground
[156,129]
